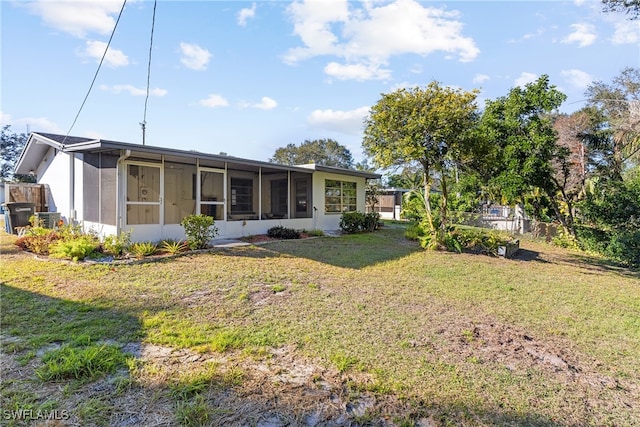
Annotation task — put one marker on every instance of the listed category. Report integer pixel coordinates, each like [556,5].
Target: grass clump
[193,412]
[80,363]
[278,288]
[95,411]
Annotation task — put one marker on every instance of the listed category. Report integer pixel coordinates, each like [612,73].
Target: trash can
[5,215]
[48,219]
[19,214]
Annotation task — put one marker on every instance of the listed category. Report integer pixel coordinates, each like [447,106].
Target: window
[339,196]
[241,195]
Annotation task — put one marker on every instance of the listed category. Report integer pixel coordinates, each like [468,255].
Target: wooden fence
[30,193]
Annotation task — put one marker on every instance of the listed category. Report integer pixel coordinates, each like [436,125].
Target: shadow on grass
[527,255]
[354,251]
[38,320]
[603,265]
[305,408]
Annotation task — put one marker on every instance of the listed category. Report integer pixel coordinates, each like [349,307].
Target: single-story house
[112,187]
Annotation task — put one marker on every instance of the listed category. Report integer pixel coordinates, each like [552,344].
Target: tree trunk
[427,193]
[443,202]
[567,226]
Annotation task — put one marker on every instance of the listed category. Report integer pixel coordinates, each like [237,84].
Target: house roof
[39,143]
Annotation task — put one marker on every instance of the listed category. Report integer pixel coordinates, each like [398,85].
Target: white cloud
[480,78]
[95,49]
[577,78]
[29,124]
[626,32]
[245,14]
[366,37]
[193,56]
[537,33]
[5,119]
[524,79]
[78,17]
[214,101]
[583,34]
[134,91]
[348,122]
[265,103]
[357,71]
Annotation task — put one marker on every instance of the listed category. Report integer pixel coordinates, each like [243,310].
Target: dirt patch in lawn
[283,387]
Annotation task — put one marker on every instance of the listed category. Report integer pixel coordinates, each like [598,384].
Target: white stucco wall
[54,171]
[330,221]
[65,195]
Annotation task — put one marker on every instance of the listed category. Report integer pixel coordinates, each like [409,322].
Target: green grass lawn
[363,329]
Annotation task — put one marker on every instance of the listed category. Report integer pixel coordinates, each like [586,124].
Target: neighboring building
[112,187]
[389,204]
[499,217]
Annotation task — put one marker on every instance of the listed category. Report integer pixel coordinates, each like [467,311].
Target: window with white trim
[340,196]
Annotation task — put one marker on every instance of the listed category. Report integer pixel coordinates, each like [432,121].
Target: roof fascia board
[34,138]
[103,144]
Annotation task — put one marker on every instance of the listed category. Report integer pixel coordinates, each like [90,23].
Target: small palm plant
[174,246]
[143,249]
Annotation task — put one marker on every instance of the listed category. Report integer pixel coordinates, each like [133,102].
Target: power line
[146,100]
[97,71]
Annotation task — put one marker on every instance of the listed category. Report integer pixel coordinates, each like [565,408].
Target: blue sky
[246,78]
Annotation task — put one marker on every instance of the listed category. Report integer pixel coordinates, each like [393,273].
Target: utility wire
[146,100]
[97,71]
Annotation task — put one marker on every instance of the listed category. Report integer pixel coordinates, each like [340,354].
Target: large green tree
[630,7]
[11,145]
[430,126]
[521,126]
[615,110]
[325,152]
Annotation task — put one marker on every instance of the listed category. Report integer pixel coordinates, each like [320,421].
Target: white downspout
[123,157]
[72,188]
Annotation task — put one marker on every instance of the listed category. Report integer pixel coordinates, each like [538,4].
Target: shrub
[459,239]
[355,222]
[200,229]
[477,241]
[624,247]
[280,232]
[38,240]
[352,222]
[414,231]
[371,221]
[76,249]
[316,233]
[117,245]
